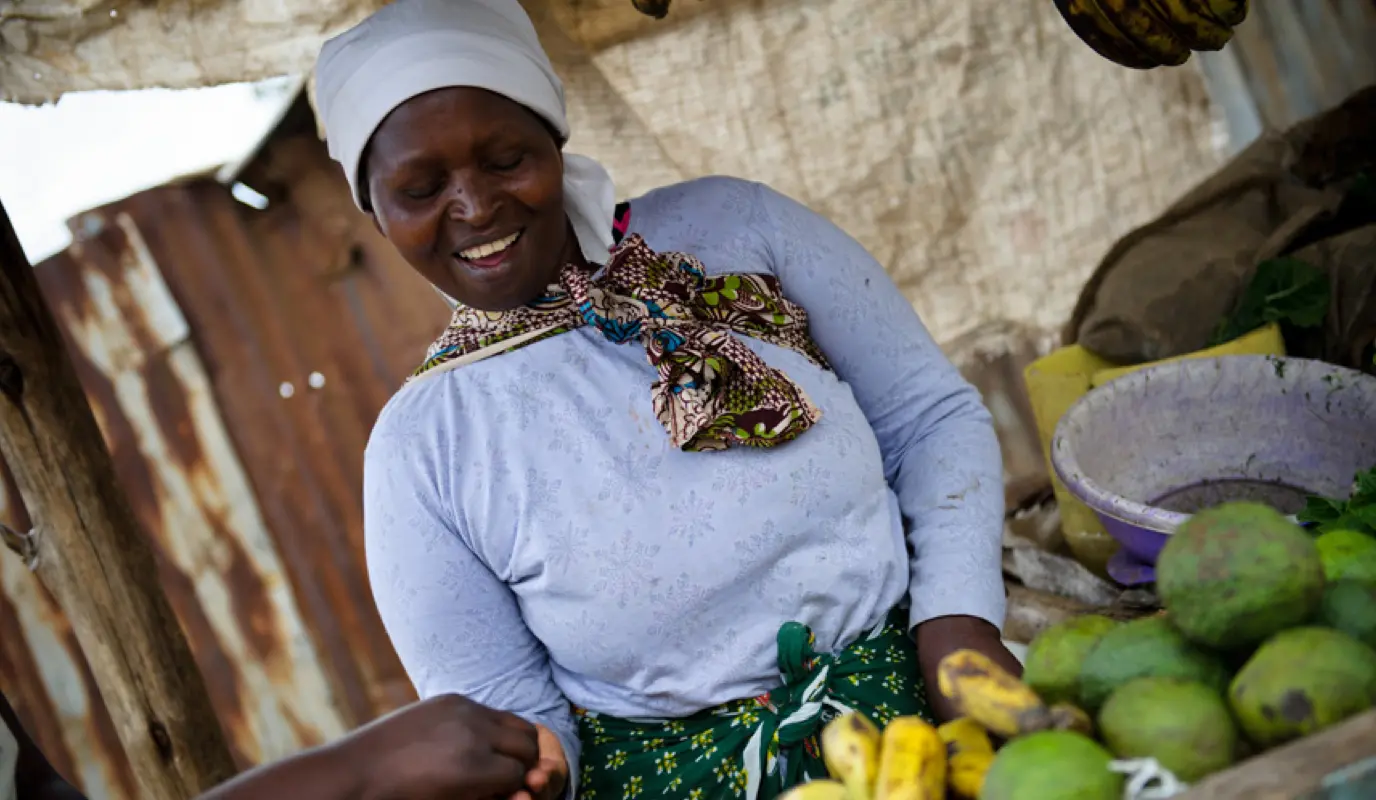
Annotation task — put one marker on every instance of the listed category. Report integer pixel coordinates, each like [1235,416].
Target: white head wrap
[412,47]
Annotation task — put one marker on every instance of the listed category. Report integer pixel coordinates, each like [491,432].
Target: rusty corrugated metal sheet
[235,359]
[307,324]
[46,679]
[1291,60]
[217,560]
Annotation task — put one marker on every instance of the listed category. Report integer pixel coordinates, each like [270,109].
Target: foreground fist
[445,747]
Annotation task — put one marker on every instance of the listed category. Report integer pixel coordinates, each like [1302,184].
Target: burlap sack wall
[978,149]
[975,146]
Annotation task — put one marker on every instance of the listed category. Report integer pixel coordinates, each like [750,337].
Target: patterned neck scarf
[712,391]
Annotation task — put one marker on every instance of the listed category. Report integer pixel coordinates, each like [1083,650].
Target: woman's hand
[938,638]
[550,776]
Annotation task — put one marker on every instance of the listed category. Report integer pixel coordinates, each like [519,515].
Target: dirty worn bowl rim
[1110,504]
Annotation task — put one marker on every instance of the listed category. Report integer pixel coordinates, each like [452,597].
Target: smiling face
[468,186]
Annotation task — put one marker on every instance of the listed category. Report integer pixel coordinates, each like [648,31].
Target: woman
[678,568]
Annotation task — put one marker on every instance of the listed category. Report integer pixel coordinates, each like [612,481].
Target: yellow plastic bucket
[1057,380]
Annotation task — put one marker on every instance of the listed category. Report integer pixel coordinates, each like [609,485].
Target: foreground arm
[445,748]
[941,455]
[34,778]
[456,627]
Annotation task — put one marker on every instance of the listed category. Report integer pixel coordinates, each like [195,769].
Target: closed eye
[422,192]
[508,163]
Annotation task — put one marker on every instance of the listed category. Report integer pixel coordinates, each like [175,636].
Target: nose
[473,202]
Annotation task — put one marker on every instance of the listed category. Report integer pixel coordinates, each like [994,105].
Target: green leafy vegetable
[1357,513]
[1362,193]
[1285,290]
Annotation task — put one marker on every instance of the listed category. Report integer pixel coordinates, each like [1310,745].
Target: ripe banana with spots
[964,735]
[1229,12]
[965,773]
[1065,717]
[912,762]
[1147,31]
[1194,22]
[1094,29]
[817,790]
[970,753]
[659,9]
[850,749]
[988,694]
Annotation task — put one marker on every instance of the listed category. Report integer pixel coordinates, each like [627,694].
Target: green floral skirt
[756,748]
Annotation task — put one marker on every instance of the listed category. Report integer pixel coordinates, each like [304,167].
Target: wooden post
[88,550]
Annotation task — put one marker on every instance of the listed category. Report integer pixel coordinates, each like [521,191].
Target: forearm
[323,773]
[950,490]
[51,788]
[34,777]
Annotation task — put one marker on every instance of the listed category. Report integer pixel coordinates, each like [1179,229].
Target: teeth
[489,249]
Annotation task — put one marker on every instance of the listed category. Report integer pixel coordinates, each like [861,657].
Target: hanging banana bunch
[1144,34]
[659,9]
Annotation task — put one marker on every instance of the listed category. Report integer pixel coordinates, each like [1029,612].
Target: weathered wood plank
[89,552]
[1299,770]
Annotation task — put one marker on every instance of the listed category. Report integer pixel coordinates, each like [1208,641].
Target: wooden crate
[1337,764]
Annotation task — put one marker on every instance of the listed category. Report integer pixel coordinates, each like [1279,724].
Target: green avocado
[1348,555]
[1300,682]
[1052,765]
[1238,573]
[1350,607]
[1054,658]
[1183,724]
[1142,648]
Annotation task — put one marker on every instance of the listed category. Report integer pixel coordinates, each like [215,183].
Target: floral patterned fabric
[756,748]
[712,391]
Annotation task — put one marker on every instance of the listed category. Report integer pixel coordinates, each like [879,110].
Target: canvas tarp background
[1164,287]
[980,150]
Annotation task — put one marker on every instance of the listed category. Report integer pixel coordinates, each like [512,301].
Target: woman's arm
[456,627]
[941,455]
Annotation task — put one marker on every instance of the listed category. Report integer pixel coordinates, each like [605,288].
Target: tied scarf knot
[799,701]
[797,707]
[711,390]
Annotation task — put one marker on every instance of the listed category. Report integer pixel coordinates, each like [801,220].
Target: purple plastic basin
[1147,450]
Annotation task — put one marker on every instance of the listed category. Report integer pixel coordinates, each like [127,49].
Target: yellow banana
[850,748]
[1065,717]
[1151,34]
[1229,12]
[1095,30]
[912,762]
[965,773]
[816,790]
[1194,23]
[964,735]
[984,691]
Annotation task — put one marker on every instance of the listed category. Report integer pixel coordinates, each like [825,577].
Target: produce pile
[1268,634]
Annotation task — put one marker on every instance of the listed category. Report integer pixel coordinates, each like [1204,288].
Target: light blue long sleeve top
[533,539]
